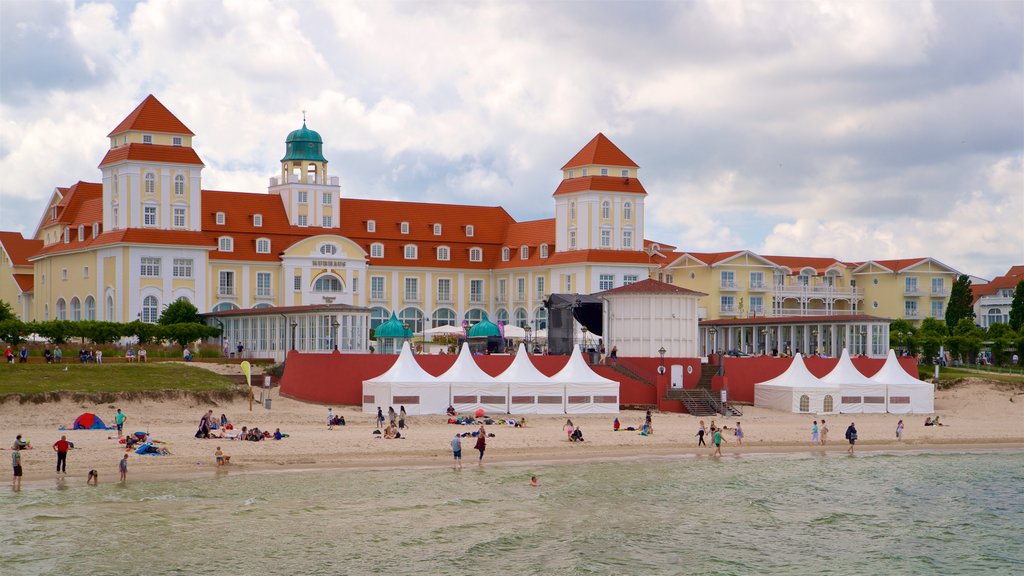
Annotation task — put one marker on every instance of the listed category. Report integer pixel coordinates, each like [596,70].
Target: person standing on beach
[738,433]
[123,467]
[718,442]
[16,464]
[119,419]
[330,418]
[401,417]
[700,434]
[824,432]
[380,418]
[899,430]
[851,435]
[814,433]
[61,448]
[457,452]
[481,445]
[391,415]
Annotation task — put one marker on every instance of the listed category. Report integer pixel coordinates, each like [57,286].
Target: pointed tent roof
[151,116]
[797,376]
[893,373]
[577,371]
[465,369]
[846,374]
[483,329]
[393,328]
[600,150]
[405,369]
[521,370]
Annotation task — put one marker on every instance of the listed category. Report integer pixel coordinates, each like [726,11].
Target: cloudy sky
[851,130]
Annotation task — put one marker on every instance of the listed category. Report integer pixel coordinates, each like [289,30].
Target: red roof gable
[26,282]
[19,248]
[1009,280]
[600,150]
[897,265]
[151,116]
[72,200]
[600,184]
[651,286]
[797,263]
[712,257]
[532,233]
[152,153]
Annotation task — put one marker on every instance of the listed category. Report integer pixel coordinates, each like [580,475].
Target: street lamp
[294,325]
[714,338]
[661,364]
[334,332]
[864,340]
[528,331]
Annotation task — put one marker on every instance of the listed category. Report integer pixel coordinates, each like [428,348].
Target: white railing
[226,291]
[725,285]
[818,290]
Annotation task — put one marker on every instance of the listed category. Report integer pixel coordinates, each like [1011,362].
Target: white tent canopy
[586,391]
[514,332]
[857,393]
[796,390]
[405,384]
[472,388]
[530,391]
[446,330]
[905,394]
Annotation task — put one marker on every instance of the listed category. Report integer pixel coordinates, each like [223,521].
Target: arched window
[62,309]
[805,403]
[76,309]
[109,316]
[444,317]
[328,249]
[828,403]
[443,253]
[179,185]
[328,283]
[606,210]
[476,255]
[995,315]
[501,315]
[540,318]
[413,318]
[572,210]
[263,246]
[378,316]
[224,306]
[627,211]
[150,309]
[376,250]
[311,173]
[506,254]
[521,317]
[543,250]
[474,315]
[150,183]
[90,308]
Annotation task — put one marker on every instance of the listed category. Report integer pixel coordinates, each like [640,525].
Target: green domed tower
[309,196]
[304,144]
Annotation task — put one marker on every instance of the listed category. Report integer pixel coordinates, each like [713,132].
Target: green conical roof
[393,328]
[304,144]
[483,329]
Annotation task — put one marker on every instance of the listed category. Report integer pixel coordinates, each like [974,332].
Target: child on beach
[123,467]
[824,432]
[457,451]
[814,433]
[718,442]
[534,481]
[93,477]
[899,430]
[738,433]
[220,457]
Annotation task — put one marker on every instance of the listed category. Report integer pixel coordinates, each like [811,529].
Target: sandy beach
[977,415]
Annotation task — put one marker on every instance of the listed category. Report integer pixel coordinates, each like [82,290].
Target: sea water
[928,513]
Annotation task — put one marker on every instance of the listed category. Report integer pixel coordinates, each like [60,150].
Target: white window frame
[411,289]
[149,216]
[628,279]
[297,283]
[263,245]
[264,281]
[220,218]
[176,141]
[371,225]
[328,249]
[303,220]
[543,250]
[257,220]
[376,250]
[572,239]
[604,171]
[147,138]
[150,314]
[327,199]
[226,282]
[95,229]
[225,244]
[506,253]
[149,267]
[606,238]
[302,197]
[627,211]
[443,253]
[476,254]
[625,173]
[81,232]
[524,252]
[181,268]
[85,272]
[470,231]
[410,252]
[437,229]
[179,217]
[444,289]
[377,288]
[540,287]
[404,227]
[605,282]
[149,184]
[606,210]
[327,221]
[627,238]
[179,185]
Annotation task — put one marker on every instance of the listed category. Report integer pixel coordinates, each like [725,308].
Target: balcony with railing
[758,287]
[476,298]
[377,296]
[913,290]
[728,311]
[911,314]
[940,292]
[817,290]
[226,291]
[730,286]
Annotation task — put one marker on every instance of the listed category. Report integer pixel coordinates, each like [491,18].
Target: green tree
[102,332]
[185,333]
[901,335]
[181,311]
[56,331]
[144,331]
[960,300]
[1017,308]
[968,339]
[12,331]
[930,343]
[1003,340]
[6,312]
[933,326]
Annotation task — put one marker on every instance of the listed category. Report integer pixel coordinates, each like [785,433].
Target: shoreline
[518,458]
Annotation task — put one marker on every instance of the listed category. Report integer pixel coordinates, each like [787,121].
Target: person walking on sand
[122,466]
[330,418]
[738,433]
[61,448]
[700,435]
[718,442]
[457,452]
[119,419]
[391,415]
[815,439]
[851,435]
[899,430]
[16,464]
[481,445]
[380,418]
[824,432]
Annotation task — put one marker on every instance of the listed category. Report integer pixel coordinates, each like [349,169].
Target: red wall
[742,373]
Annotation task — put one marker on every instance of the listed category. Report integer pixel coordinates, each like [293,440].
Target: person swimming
[534,481]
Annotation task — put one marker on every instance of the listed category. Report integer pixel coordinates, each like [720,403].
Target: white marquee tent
[472,388]
[405,384]
[905,394]
[796,390]
[530,391]
[858,394]
[586,391]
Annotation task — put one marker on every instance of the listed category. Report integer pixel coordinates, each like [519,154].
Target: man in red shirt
[61,448]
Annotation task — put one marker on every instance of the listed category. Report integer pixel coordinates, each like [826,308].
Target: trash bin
[267,403]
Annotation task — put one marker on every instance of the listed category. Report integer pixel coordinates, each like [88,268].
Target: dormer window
[67,234]
[226,244]
[625,173]
[404,226]
[572,173]
[443,253]
[176,141]
[411,253]
[524,252]
[263,246]
[543,250]
[584,171]
[437,229]
[220,218]
[147,138]
[376,250]
[469,231]
[371,225]
[81,232]
[506,254]
[95,229]
[257,220]
[476,254]
[604,171]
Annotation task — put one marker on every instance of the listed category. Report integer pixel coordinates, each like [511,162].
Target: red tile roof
[710,258]
[798,263]
[72,200]
[599,184]
[897,265]
[600,150]
[1009,280]
[651,286]
[759,320]
[532,234]
[152,153]
[19,248]
[151,116]
[132,236]
[25,281]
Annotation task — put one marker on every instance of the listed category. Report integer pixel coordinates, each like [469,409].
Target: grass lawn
[107,378]
[950,373]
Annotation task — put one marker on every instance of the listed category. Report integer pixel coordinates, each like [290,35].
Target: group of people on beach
[715,432]
[396,420]
[480,446]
